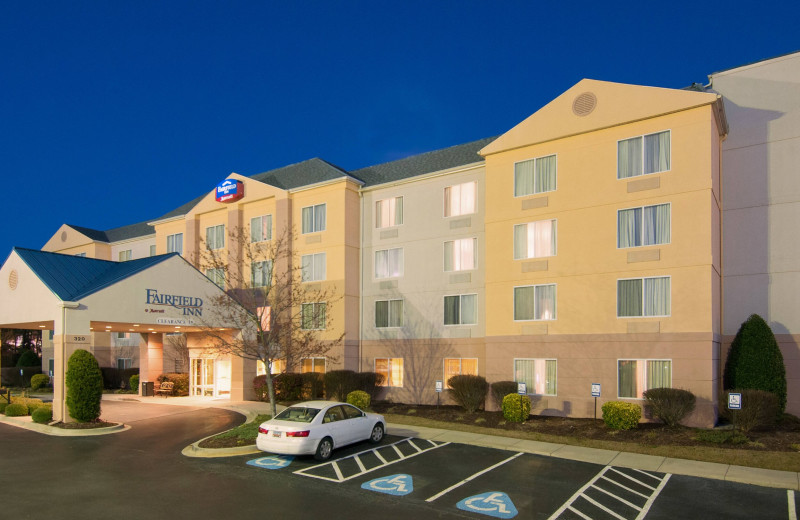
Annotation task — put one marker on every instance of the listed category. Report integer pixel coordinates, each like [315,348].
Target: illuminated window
[391,369]
[315,364]
[459,366]
[460,199]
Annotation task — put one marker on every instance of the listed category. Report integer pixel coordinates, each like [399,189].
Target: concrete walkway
[250,409]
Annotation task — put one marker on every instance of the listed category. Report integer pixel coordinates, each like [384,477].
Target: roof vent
[584,104]
[63,236]
[13,278]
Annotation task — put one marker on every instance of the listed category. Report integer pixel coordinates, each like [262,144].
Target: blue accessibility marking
[397,485]
[271,462]
[492,503]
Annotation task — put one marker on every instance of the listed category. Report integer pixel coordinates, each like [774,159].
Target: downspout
[360,281]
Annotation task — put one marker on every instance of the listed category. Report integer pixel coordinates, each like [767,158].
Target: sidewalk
[742,474]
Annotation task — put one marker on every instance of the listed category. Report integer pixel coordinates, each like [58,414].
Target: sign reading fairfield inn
[189,305]
[229,190]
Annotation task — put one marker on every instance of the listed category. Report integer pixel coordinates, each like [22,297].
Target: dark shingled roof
[421,164]
[94,234]
[115,235]
[183,209]
[300,174]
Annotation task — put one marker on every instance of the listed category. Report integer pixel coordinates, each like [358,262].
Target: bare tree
[176,350]
[279,318]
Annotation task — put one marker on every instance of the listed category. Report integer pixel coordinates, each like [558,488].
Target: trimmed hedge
[181,382]
[313,385]
[359,399]
[670,405]
[3,405]
[84,386]
[16,410]
[619,415]
[39,381]
[759,411]
[42,415]
[370,382]
[500,389]
[133,381]
[339,383]
[288,386]
[28,358]
[260,388]
[516,407]
[469,391]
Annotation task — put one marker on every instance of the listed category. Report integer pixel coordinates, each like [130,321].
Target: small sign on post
[439,388]
[595,394]
[734,401]
[522,388]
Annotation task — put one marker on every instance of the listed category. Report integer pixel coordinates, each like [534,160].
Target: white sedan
[317,427]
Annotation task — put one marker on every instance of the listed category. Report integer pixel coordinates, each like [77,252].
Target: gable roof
[311,171]
[74,277]
[436,160]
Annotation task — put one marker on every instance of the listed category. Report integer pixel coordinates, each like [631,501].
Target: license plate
[276,434]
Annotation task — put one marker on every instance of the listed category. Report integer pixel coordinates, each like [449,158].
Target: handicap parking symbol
[492,503]
[271,462]
[397,485]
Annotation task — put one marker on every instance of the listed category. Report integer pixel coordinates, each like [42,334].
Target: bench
[165,388]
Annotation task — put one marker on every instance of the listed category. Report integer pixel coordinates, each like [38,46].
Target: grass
[240,436]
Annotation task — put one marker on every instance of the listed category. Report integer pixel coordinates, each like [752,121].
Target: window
[535,239]
[643,297]
[459,366]
[313,316]
[217,276]
[153,250]
[314,218]
[261,228]
[122,335]
[316,364]
[261,273]
[388,313]
[535,302]
[535,176]
[278,367]
[645,226]
[389,212]
[123,363]
[392,370]
[539,375]
[643,155]
[124,256]
[389,263]
[82,255]
[313,267]
[461,255]
[461,309]
[175,243]
[215,237]
[51,367]
[460,199]
[634,376]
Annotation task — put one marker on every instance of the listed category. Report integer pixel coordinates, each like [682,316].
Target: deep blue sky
[115,112]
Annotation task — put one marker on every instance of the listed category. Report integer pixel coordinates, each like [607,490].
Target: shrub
[181,382]
[313,385]
[721,436]
[516,407]
[42,415]
[115,378]
[39,380]
[759,409]
[84,386]
[755,361]
[500,389]
[339,383]
[670,405]
[469,391]
[3,405]
[619,415]
[260,388]
[288,387]
[370,382]
[16,410]
[28,358]
[134,382]
[359,399]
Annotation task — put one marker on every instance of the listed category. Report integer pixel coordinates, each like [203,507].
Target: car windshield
[298,414]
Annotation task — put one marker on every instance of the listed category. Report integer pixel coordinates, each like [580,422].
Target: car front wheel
[377,434]
[324,449]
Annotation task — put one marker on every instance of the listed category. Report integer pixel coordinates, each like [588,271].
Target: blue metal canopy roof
[74,277]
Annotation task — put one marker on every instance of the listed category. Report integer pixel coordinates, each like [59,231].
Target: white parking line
[476,475]
[792,509]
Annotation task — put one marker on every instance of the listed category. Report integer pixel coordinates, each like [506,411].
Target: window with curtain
[634,376]
[261,228]
[643,297]
[126,255]
[461,255]
[313,218]
[217,276]
[392,370]
[260,273]
[535,176]
[388,313]
[643,155]
[460,199]
[312,316]
[461,309]
[644,226]
[175,243]
[215,237]
[539,375]
[459,366]
[152,250]
[535,239]
[316,364]
[313,267]
[389,263]
[389,212]
[535,302]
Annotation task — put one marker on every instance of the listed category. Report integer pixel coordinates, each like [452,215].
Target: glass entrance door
[223,384]
[202,377]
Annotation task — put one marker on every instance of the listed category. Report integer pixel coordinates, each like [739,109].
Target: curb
[61,432]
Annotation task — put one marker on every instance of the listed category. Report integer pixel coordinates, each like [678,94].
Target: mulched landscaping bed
[99,423]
